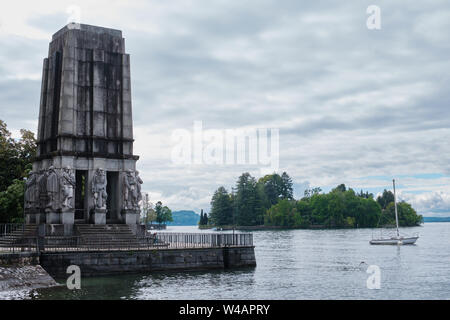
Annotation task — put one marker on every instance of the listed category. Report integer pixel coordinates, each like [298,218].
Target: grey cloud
[349,102]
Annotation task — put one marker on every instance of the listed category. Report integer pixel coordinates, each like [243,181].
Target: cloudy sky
[352,105]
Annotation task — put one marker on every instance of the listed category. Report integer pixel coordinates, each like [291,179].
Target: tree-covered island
[269,202]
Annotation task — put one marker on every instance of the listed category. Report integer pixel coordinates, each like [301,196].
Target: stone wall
[19,259]
[119,262]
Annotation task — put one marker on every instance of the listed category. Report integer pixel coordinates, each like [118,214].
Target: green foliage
[273,187]
[248,202]
[365,195]
[16,157]
[407,216]
[203,219]
[310,192]
[284,214]
[163,213]
[11,202]
[221,208]
[340,208]
[385,199]
[270,201]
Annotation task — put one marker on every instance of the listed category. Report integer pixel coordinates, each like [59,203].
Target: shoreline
[316,227]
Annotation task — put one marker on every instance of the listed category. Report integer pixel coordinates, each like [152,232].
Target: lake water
[294,264]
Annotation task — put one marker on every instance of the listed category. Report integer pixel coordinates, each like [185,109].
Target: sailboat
[395,240]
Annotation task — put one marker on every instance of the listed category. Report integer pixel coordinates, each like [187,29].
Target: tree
[270,188]
[248,202]
[287,190]
[11,203]
[365,195]
[336,209]
[163,213]
[282,214]
[148,213]
[310,192]
[203,218]
[16,157]
[221,208]
[273,187]
[385,199]
[407,216]
[340,188]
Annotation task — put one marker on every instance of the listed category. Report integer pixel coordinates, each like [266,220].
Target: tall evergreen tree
[386,198]
[221,208]
[200,222]
[249,209]
[287,190]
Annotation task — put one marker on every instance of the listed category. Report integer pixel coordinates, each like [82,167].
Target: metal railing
[14,238]
[153,242]
[9,228]
[24,244]
[204,240]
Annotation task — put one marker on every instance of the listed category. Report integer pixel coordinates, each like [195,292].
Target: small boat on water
[397,239]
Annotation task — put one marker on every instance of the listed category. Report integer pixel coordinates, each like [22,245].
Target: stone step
[104,236]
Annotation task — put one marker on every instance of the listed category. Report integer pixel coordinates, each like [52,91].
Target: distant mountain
[184,218]
[436,219]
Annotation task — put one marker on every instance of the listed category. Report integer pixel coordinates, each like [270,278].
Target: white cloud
[349,102]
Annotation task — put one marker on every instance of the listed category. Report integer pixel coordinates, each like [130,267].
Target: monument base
[130,217]
[68,217]
[52,218]
[99,216]
[30,218]
[40,218]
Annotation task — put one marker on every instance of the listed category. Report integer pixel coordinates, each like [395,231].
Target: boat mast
[396,214]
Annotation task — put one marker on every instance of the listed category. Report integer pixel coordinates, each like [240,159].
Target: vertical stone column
[127,122]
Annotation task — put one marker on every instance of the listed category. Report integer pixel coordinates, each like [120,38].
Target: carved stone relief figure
[68,185]
[31,192]
[99,189]
[138,187]
[42,189]
[53,186]
[130,191]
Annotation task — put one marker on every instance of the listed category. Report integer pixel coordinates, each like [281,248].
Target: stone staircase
[106,236]
[25,236]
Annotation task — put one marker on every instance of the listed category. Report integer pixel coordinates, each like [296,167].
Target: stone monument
[85,170]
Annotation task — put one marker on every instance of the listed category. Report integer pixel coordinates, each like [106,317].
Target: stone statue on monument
[52,184]
[138,186]
[31,192]
[99,189]
[130,191]
[42,189]
[68,185]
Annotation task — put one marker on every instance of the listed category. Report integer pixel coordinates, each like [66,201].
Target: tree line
[269,201]
[249,201]
[159,213]
[16,158]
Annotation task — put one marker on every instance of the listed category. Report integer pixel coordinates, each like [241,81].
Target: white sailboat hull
[395,241]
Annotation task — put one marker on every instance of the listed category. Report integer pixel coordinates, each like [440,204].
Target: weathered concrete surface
[24,278]
[19,259]
[119,262]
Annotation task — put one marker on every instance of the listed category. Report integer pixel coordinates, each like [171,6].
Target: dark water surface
[293,264]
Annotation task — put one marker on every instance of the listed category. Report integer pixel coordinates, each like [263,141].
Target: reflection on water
[294,264]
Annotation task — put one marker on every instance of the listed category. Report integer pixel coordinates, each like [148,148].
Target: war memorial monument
[85,171]
[83,194]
